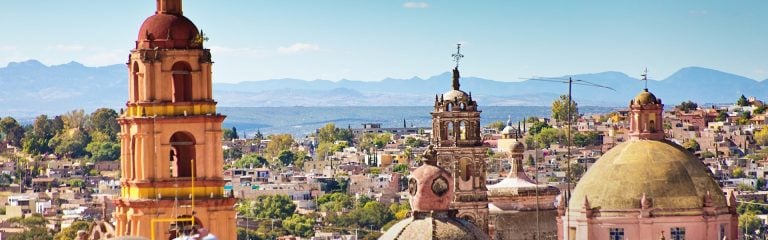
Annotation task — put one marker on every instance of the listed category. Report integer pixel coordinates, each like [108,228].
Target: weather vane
[457,56]
[645,77]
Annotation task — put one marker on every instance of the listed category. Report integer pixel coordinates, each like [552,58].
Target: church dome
[434,225]
[455,95]
[167,31]
[431,190]
[669,176]
[645,97]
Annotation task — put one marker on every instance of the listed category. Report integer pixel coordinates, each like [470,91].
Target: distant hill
[30,88]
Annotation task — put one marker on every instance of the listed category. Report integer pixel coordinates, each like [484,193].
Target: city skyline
[400,39]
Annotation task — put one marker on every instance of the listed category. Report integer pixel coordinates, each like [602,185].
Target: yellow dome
[670,177]
[646,97]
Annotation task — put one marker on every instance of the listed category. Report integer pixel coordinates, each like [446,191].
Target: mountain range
[30,88]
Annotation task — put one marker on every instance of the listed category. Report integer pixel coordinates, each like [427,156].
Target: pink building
[647,188]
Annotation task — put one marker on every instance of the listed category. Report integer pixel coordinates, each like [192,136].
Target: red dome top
[167,31]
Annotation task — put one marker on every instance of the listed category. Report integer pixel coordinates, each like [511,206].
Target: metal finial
[457,56]
[645,77]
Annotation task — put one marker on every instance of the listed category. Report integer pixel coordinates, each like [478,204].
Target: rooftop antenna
[570,81]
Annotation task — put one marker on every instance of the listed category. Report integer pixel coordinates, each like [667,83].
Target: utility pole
[570,81]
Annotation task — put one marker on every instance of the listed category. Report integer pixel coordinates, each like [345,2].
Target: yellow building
[171,162]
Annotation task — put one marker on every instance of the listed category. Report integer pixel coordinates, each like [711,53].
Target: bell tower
[171,156]
[459,146]
[646,122]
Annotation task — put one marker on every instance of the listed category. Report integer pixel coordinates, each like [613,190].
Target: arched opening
[468,218]
[450,133]
[652,126]
[463,106]
[465,169]
[463,130]
[185,227]
[135,79]
[448,107]
[181,154]
[182,82]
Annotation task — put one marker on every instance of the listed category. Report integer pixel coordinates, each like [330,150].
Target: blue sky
[376,39]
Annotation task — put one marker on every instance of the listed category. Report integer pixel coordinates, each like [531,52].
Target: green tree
[75,119]
[548,136]
[498,125]
[232,153]
[268,206]
[721,116]
[414,142]
[34,233]
[759,110]
[104,120]
[691,145]
[707,154]
[70,143]
[103,151]
[327,133]
[286,158]
[738,172]
[560,108]
[11,131]
[33,221]
[335,202]
[250,160]
[299,157]
[299,225]
[687,106]
[36,138]
[229,134]
[537,126]
[749,221]
[278,143]
[400,168]
[742,101]
[762,136]
[70,233]
[577,170]
[744,117]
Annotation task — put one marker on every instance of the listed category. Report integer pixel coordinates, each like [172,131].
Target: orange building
[171,162]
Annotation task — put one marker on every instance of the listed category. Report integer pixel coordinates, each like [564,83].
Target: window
[182,82]
[677,233]
[722,231]
[616,234]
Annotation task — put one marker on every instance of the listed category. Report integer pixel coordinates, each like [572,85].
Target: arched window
[463,130]
[465,168]
[181,155]
[182,82]
[450,132]
[448,107]
[652,126]
[463,106]
[135,80]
